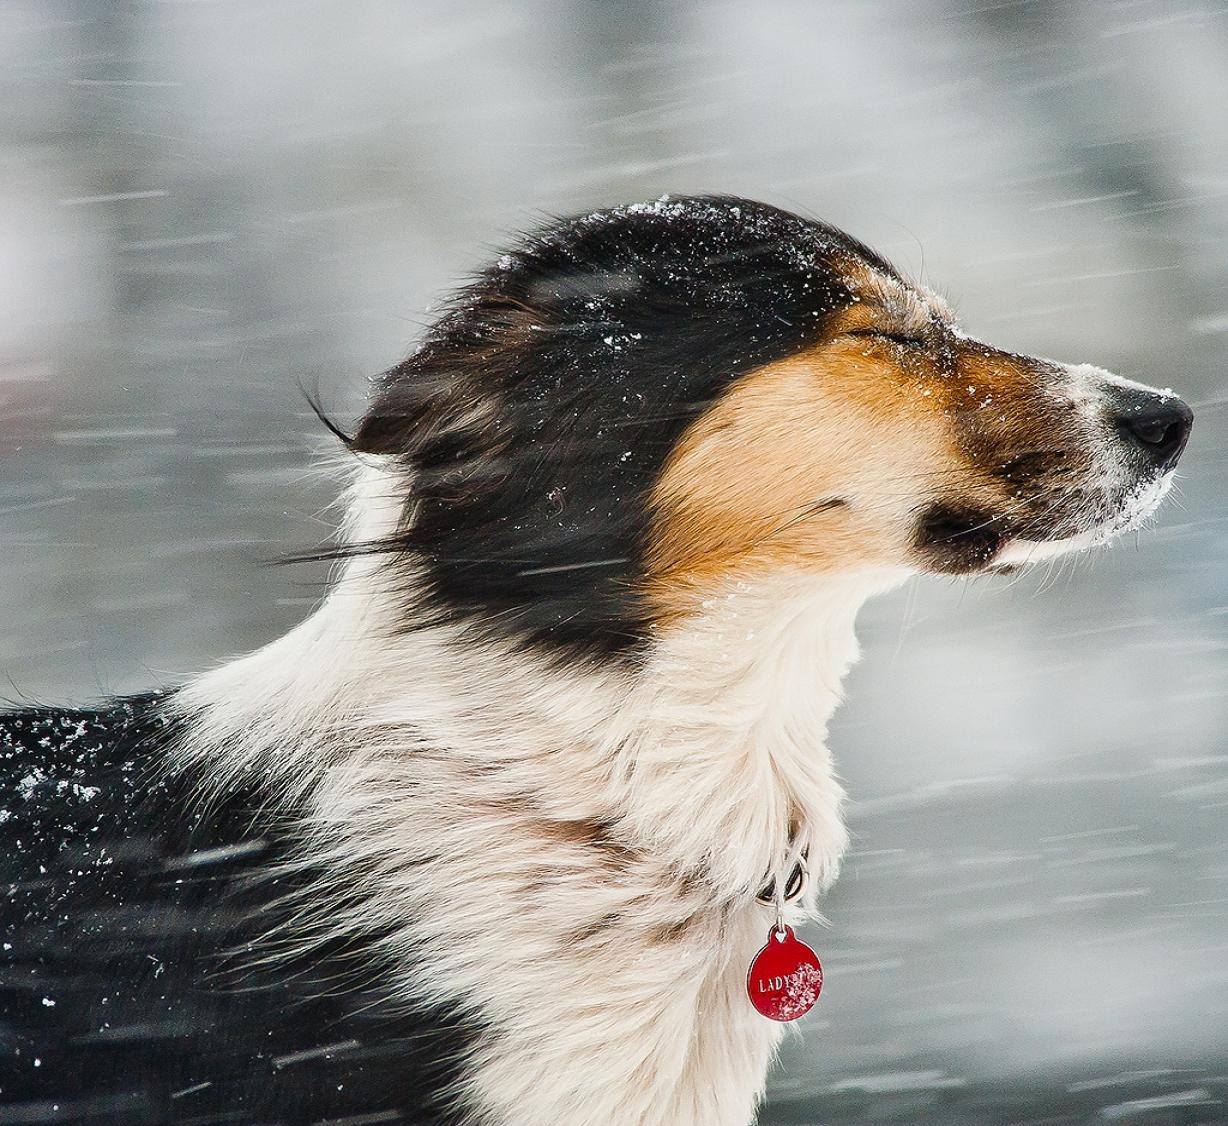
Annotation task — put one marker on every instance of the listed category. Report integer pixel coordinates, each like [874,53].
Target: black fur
[539,411]
[131,988]
[957,539]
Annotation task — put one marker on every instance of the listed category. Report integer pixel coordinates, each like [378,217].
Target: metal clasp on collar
[795,885]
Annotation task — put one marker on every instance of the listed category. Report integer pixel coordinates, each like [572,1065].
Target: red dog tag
[785,978]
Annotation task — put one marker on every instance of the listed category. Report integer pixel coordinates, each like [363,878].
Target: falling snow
[202,214]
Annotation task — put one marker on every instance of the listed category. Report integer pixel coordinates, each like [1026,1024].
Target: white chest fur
[573,855]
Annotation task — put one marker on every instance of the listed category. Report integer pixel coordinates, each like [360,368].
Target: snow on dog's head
[633,407]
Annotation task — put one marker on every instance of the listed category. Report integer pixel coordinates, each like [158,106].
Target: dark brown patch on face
[1016,421]
[1022,458]
[955,539]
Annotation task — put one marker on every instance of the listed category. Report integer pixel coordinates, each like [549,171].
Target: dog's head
[635,406]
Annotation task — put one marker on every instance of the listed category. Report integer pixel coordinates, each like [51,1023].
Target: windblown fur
[486,832]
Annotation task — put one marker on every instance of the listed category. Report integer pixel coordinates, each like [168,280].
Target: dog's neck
[711,753]
[729,746]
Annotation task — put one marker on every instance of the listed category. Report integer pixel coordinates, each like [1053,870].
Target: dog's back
[124,992]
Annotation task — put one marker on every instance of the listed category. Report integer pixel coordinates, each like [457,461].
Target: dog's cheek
[957,539]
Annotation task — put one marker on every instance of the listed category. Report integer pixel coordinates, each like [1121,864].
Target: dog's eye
[900,338]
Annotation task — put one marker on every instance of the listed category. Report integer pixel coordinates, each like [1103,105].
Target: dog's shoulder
[151,967]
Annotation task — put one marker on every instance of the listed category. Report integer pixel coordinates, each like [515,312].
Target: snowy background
[205,204]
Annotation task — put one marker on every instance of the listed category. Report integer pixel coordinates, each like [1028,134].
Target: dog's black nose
[1156,425]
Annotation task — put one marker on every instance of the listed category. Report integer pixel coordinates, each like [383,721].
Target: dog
[493,836]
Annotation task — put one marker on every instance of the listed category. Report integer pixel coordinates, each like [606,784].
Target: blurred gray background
[205,204]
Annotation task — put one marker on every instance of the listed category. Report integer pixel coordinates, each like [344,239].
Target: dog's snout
[1155,425]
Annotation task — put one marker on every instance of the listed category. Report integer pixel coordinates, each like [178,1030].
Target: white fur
[465,781]
[1139,505]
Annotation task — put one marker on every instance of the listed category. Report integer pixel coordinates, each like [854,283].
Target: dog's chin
[1135,508]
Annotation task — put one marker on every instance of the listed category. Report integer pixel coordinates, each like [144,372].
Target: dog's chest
[613,988]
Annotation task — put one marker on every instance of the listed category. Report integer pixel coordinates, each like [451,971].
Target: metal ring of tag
[794,886]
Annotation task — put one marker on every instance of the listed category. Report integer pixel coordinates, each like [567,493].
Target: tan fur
[810,462]
[745,489]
